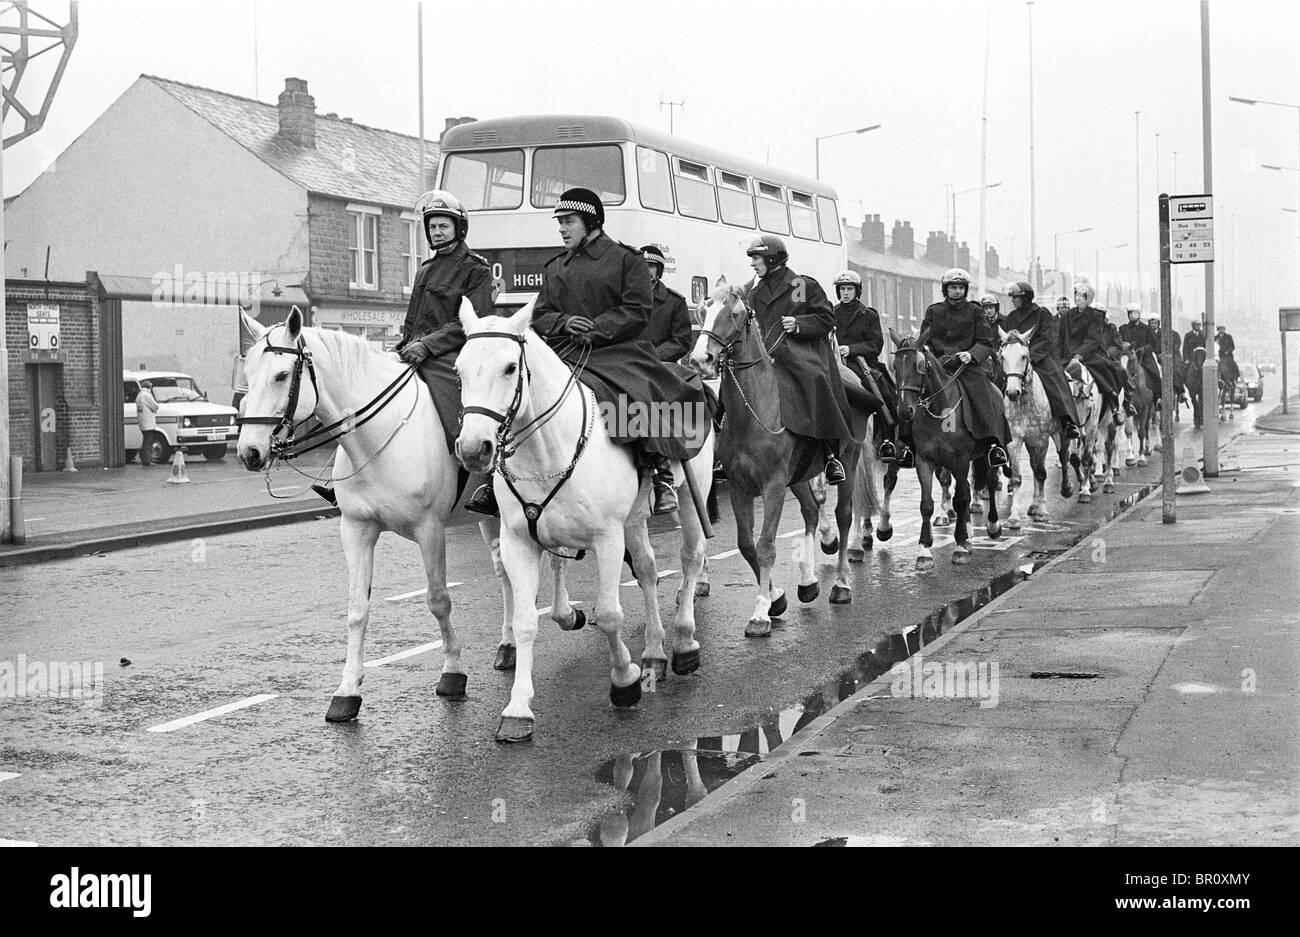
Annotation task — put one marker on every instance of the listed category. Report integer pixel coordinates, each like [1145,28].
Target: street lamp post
[1097,269]
[1056,256]
[953,231]
[843,133]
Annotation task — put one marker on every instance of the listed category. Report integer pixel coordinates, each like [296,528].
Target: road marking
[212,713]
[17,842]
[789,533]
[411,595]
[31,519]
[7,776]
[662,576]
[724,555]
[402,655]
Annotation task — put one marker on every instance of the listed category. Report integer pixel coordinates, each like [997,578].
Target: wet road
[261,618]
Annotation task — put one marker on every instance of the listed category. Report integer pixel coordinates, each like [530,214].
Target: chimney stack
[991,263]
[902,242]
[963,256]
[938,249]
[297,113]
[873,233]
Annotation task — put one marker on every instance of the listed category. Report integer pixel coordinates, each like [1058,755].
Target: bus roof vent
[485,136]
[570,131]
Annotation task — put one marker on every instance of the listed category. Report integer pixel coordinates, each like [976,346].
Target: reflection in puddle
[663,783]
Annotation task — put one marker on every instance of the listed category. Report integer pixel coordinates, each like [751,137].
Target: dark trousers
[146,455]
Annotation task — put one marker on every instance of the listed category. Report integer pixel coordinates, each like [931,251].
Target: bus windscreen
[486,178]
[557,168]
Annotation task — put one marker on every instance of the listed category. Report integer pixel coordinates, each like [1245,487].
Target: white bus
[700,206]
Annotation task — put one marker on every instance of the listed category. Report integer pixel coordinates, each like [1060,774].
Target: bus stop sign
[1288,319]
[1191,229]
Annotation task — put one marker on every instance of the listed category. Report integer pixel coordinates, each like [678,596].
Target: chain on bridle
[922,365]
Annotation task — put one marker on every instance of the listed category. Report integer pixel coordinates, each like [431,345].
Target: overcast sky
[763,79]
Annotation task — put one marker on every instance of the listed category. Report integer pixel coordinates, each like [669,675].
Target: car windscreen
[1249,373]
[167,389]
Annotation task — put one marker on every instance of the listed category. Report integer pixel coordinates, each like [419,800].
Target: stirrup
[835,471]
[484,501]
[326,493]
[906,459]
[997,456]
[887,452]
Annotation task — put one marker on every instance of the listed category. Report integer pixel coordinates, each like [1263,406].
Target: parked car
[1266,367]
[186,419]
[1250,383]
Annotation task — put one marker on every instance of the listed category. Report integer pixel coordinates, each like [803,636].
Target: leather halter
[532,509]
[726,350]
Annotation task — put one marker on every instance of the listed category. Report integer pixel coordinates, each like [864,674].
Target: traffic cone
[179,476]
[1190,480]
[68,464]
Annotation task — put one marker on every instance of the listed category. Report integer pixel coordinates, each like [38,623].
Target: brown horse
[762,458]
[932,400]
[1144,403]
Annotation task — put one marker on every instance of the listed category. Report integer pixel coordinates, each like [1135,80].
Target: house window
[363,246]
[413,253]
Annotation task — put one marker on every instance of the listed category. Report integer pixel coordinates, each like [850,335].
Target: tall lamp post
[953,231]
[1097,268]
[1056,254]
[831,136]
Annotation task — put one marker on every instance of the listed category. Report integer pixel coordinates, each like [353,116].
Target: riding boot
[327,493]
[484,500]
[665,495]
[834,468]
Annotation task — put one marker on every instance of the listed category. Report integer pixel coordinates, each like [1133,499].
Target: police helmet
[771,248]
[956,275]
[583,202]
[850,278]
[437,203]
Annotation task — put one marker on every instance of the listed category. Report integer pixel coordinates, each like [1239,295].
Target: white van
[186,420]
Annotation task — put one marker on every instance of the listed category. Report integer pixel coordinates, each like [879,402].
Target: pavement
[1140,689]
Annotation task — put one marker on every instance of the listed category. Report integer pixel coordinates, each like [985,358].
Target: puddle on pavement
[664,782]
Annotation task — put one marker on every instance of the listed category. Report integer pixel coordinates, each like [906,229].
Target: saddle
[1082,377]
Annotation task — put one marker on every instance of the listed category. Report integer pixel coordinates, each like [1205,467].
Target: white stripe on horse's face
[704,357]
[269,375]
[490,372]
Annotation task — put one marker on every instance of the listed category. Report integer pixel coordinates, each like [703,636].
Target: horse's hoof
[924,563]
[1085,498]
[579,619]
[656,664]
[961,557]
[1108,489]
[778,606]
[866,541]
[841,595]
[993,530]
[883,534]
[343,709]
[514,729]
[1043,517]
[1032,510]
[808,593]
[452,684]
[856,555]
[624,697]
[505,658]
[701,590]
[952,514]
[830,549]
[941,520]
[758,628]
[1142,460]
[1130,461]
[686,662]
[1013,523]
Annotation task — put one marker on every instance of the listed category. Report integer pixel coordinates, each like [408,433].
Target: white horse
[1095,418]
[584,493]
[1029,414]
[392,471]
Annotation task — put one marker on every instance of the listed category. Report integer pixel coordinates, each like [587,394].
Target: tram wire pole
[1167,394]
[1210,371]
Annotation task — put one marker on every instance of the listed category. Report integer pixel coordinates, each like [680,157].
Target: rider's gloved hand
[844,351]
[790,324]
[577,327]
[414,353]
[963,356]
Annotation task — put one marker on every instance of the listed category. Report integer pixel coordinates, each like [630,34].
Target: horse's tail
[865,496]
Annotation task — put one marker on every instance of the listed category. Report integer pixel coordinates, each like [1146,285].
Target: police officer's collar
[594,244]
[450,249]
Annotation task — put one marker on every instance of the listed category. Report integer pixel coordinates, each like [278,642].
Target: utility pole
[984,150]
[419,31]
[672,109]
[1210,382]
[1137,195]
[14,65]
[1033,216]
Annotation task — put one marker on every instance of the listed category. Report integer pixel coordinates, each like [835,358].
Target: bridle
[507,443]
[922,365]
[1027,375]
[727,366]
[291,446]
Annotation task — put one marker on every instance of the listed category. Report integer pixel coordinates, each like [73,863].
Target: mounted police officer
[795,317]
[670,322]
[431,333]
[1044,353]
[1084,338]
[860,341]
[992,307]
[1227,347]
[594,307]
[1139,337]
[956,330]
[1195,338]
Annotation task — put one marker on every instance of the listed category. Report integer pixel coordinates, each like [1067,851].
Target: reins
[727,365]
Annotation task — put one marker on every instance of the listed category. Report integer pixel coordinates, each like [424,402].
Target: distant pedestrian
[145,408]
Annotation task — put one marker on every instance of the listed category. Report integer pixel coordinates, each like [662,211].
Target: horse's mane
[1014,337]
[353,352]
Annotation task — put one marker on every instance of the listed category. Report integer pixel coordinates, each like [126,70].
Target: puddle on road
[664,782]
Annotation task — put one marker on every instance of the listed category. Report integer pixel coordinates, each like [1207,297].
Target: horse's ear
[1002,334]
[1028,335]
[293,324]
[894,337]
[468,317]
[722,282]
[251,328]
[520,321]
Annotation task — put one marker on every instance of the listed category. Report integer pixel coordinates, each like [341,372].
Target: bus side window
[771,209]
[803,218]
[653,179]
[830,218]
[695,193]
[733,195]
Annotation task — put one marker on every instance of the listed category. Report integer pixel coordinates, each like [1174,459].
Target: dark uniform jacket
[670,324]
[1192,340]
[952,327]
[1045,353]
[1142,338]
[1084,333]
[857,327]
[813,402]
[1226,344]
[433,318]
[607,282]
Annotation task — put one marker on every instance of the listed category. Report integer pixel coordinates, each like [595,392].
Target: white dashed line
[662,576]
[789,533]
[7,776]
[402,655]
[212,713]
[724,554]
[424,591]
[17,842]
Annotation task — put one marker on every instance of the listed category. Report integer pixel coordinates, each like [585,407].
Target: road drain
[1062,675]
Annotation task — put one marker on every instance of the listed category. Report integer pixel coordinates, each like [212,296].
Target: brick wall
[78,409]
[329,237]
